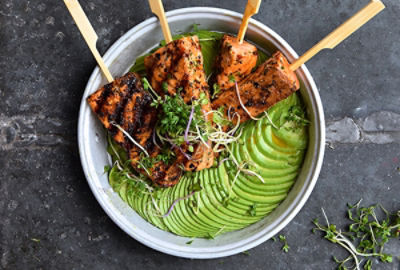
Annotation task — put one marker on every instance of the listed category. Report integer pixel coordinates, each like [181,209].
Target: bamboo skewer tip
[157,8]
[252,8]
[88,34]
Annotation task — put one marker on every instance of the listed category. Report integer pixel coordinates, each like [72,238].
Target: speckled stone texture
[50,219]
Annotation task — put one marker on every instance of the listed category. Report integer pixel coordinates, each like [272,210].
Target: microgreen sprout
[246,252]
[285,247]
[241,102]
[365,237]
[217,90]
[270,120]
[147,86]
[130,138]
[296,117]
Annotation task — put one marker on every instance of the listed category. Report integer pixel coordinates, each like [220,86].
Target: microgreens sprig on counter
[285,247]
[365,237]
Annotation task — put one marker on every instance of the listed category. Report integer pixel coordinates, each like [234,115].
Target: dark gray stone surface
[50,219]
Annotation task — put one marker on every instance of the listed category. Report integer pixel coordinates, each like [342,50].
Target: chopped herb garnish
[189,242]
[232,78]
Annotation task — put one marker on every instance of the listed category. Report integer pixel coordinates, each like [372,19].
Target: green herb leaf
[246,252]
[189,242]
[196,187]
[217,90]
[252,210]
[107,168]
[165,87]
[232,78]
[285,247]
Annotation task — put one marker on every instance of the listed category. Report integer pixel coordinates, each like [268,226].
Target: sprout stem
[130,138]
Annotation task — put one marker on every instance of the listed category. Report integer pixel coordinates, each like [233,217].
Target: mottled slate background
[44,66]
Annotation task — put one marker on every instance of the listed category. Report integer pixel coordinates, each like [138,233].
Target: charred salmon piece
[235,61]
[202,158]
[124,102]
[271,82]
[179,65]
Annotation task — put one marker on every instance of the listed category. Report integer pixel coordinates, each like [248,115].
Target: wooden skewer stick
[342,32]
[88,33]
[252,8]
[158,9]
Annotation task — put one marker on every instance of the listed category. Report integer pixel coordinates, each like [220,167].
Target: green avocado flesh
[224,199]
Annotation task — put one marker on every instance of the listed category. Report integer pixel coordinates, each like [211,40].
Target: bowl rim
[255,239]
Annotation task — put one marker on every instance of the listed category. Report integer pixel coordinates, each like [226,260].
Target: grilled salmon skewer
[236,60]
[179,65]
[237,57]
[125,105]
[269,83]
[275,79]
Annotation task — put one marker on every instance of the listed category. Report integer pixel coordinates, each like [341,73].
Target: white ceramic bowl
[92,138]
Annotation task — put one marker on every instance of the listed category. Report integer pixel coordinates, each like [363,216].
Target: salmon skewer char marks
[126,104]
[236,61]
[270,83]
[179,65]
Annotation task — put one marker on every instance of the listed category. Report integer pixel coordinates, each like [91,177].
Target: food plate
[92,138]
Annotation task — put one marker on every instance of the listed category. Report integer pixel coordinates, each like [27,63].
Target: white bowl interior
[92,138]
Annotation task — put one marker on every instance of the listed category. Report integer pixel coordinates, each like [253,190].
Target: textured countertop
[51,220]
